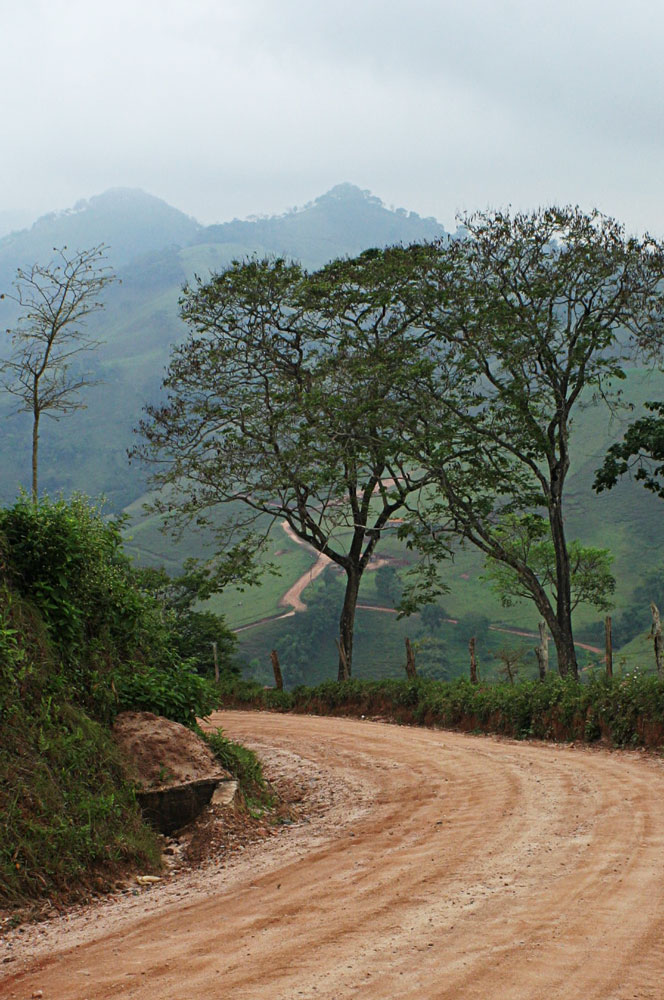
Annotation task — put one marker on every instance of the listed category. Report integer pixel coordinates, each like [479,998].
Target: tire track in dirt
[450,866]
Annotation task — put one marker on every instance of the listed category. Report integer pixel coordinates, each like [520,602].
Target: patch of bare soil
[161,753]
[440,866]
[222,829]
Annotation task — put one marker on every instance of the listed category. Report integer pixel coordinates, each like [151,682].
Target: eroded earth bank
[433,865]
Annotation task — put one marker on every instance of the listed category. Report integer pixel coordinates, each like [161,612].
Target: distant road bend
[292,598]
[446,867]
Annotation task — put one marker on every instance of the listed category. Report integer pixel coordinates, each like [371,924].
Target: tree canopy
[540,310]
[435,382]
[292,399]
[641,450]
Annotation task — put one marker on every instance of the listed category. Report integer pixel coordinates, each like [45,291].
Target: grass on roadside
[245,767]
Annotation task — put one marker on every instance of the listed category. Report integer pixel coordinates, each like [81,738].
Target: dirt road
[446,866]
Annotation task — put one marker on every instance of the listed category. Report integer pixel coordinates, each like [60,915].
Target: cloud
[230,108]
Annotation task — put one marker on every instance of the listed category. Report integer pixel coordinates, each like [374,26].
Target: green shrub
[66,812]
[242,763]
[79,641]
[178,693]
[627,711]
[115,643]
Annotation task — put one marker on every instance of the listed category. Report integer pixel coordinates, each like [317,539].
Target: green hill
[626,521]
[155,249]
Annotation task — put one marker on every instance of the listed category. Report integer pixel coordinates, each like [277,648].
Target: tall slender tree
[55,300]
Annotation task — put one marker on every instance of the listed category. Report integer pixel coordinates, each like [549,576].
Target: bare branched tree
[55,301]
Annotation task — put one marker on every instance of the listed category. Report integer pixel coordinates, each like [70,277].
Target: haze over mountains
[154,248]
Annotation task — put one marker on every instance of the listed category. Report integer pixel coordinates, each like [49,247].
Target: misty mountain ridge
[343,221]
[154,249]
[133,223]
[129,221]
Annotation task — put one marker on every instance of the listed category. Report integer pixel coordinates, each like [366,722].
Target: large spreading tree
[540,310]
[293,399]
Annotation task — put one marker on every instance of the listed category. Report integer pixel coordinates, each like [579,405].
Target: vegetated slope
[80,640]
[345,220]
[129,221]
[626,521]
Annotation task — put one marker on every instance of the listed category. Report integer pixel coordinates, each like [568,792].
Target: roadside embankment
[620,711]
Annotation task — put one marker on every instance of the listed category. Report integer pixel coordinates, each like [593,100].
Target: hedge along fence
[621,711]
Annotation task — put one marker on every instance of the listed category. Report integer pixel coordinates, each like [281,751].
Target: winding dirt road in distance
[292,598]
[447,866]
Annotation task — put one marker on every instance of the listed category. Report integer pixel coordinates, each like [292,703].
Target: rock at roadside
[175,772]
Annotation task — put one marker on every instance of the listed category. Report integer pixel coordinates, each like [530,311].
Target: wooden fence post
[410,661]
[473,661]
[609,646]
[278,679]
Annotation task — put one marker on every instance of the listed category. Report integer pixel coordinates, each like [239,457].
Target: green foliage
[641,449]
[79,641]
[525,538]
[433,658]
[473,625]
[242,763]
[69,822]
[534,308]
[178,693]
[433,617]
[635,617]
[66,560]
[299,647]
[291,396]
[117,646]
[194,632]
[389,588]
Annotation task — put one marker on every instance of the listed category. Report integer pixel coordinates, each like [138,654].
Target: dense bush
[80,640]
[68,819]
[115,644]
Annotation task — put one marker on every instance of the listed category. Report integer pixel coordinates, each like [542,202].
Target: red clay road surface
[447,866]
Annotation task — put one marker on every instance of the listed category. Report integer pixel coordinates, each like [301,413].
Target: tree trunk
[542,651]
[473,661]
[564,643]
[562,635]
[656,632]
[410,661]
[278,679]
[608,646]
[35,449]
[347,624]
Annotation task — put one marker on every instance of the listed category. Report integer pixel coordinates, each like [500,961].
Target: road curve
[455,867]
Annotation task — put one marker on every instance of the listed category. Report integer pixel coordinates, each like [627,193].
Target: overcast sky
[227,108]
